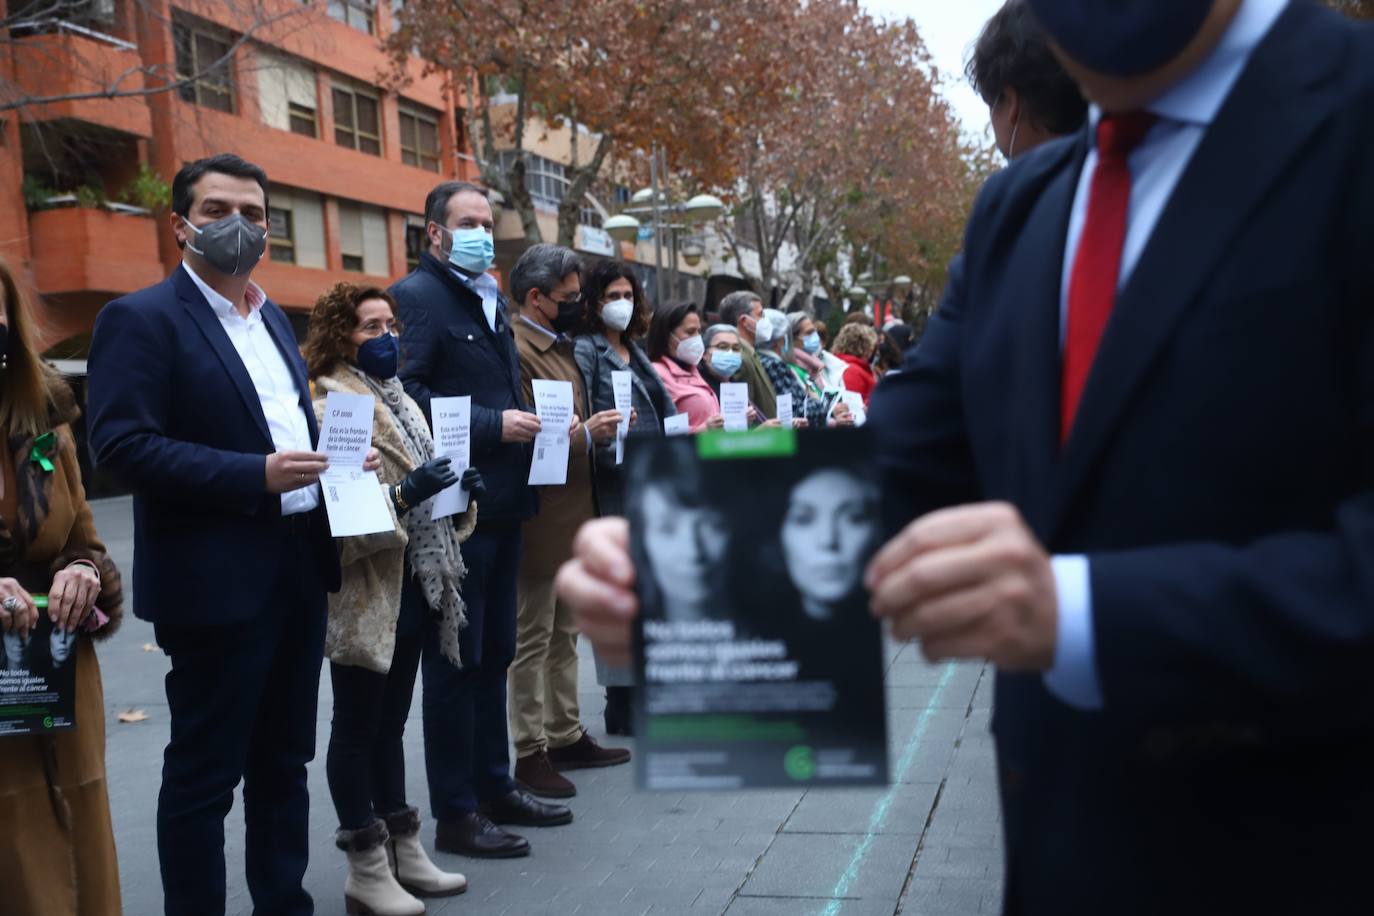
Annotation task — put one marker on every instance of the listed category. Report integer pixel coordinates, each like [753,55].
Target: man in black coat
[456,341]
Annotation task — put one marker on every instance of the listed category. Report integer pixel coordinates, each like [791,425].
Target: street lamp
[655,203]
[857,293]
[703,208]
[693,251]
[622,228]
[902,284]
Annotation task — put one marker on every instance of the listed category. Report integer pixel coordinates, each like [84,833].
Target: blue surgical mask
[380,357]
[474,250]
[811,343]
[726,363]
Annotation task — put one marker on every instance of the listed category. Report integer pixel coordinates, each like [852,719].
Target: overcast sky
[949,28]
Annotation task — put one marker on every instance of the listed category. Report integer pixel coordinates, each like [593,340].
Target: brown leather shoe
[537,776]
[585,753]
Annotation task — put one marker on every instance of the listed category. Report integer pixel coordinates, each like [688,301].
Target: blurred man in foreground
[1141,485]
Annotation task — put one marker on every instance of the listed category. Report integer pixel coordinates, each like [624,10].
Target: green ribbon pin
[42,449]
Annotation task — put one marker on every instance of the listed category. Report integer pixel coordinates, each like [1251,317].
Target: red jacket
[859,376]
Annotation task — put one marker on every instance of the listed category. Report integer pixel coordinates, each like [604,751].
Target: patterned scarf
[432,551]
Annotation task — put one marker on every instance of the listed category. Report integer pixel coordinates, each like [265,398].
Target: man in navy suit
[1152,382]
[1137,441]
[199,401]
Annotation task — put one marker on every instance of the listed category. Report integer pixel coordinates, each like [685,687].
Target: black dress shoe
[522,808]
[476,836]
[619,719]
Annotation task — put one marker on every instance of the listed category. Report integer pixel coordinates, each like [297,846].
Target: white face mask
[691,350]
[617,314]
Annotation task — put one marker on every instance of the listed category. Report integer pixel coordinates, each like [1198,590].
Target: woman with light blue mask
[724,355]
[722,363]
[777,352]
[818,370]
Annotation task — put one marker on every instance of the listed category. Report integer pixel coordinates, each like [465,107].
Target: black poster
[38,680]
[757,661]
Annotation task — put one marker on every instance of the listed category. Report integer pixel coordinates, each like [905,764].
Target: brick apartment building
[302,94]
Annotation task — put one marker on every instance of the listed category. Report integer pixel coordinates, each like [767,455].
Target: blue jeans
[467,755]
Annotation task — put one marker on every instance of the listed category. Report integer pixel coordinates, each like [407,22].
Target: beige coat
[363,613]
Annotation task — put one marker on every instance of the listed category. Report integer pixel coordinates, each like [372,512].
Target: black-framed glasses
[576,300]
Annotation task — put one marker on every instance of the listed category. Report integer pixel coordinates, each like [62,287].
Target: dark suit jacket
[174,414]
[1220,478]
[449,350]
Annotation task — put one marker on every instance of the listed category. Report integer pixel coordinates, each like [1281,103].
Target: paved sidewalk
[929,844]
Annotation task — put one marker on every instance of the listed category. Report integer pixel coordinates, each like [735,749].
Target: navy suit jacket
[173,413]
[1220,478]
[449,350]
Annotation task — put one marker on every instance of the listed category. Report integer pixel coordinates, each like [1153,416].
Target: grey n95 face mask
[231,245]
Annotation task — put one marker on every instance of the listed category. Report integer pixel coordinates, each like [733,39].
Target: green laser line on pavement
[875,821]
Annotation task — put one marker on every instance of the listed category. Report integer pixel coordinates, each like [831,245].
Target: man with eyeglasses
[546,728]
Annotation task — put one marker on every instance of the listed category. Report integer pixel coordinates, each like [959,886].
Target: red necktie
[1097,265]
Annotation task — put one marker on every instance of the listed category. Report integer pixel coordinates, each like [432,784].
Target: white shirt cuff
[591,444]
[1073,678]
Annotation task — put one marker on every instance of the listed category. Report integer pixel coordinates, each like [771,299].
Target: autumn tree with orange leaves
[633,72]
[859,144]
[820,125]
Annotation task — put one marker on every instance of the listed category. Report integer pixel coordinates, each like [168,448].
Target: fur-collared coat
[57,852]
[363,613]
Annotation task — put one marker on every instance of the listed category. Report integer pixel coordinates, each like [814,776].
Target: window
[356,122]
[363,239]
[302,120]
[460,129]
[281,236]
[548,183]
[200,57]
[296,234]
[545,178]
[420,137]
[360,14]
[286,94]
[417,240]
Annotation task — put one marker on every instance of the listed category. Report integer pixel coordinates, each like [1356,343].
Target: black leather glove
[474,484]
[428,479]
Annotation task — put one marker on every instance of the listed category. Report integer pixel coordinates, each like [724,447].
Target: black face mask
[569,314]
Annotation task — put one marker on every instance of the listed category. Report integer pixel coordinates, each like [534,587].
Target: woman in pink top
[675,348]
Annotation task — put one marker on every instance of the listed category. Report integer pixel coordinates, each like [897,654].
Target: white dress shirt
[484,285]
[1185,112]
[272,379]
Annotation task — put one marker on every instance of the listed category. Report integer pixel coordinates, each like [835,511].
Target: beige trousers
[543,677]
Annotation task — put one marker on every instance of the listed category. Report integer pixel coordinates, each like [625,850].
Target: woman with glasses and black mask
[617,316]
